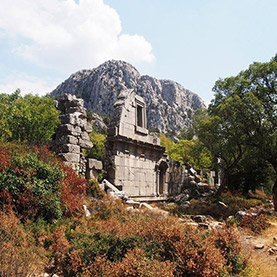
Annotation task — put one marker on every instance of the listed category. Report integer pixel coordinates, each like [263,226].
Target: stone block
[92,163]
[65,139]
[92,174]
[69,129]
[71,148]
[85,144]
[79,109]
[70,157]
[84,136]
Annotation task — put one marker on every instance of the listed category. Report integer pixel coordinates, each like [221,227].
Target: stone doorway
[162,177]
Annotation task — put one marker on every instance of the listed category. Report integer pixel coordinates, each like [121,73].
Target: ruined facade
[72,135]
[136,163]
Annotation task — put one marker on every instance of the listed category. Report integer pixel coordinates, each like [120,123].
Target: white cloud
[68,36]
[26,83]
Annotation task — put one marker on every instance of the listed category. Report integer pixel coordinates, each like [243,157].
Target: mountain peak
[169,105]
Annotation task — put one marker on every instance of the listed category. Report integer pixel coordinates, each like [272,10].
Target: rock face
[169,106]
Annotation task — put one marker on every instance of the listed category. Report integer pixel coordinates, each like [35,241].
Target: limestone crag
[169,105]
[72,134]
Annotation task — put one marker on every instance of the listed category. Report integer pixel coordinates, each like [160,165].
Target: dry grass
[260,260]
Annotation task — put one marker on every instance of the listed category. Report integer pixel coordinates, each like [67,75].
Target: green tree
[29,118]
[244,114]
[98,151]
[191,152]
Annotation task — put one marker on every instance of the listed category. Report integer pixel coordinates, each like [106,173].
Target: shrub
[95,190]
[19,256]
[37,184]
[256,224]
[73,188]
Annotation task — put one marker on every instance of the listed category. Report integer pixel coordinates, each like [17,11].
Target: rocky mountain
[169,105]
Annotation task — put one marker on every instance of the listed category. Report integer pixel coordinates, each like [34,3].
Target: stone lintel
[92,163]
[137,143]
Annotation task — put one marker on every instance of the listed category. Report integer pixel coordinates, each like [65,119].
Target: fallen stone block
[259,246]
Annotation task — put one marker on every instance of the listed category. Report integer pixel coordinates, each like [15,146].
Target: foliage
[188,152]
[36,184]
[128,244]
[256,224]
[242,117]
[95,190]
[29,118]
[98,151]
[19,255]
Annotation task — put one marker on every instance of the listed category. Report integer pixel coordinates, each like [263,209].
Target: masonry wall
[135,170]
[133,156]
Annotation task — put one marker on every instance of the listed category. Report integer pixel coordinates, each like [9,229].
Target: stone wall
[136,163]
[72,135]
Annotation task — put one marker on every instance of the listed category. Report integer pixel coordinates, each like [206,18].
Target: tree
[246,106]
[29,118]
[98,151]
[191,152]
[222,135]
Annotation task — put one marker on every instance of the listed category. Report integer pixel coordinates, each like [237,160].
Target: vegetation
[42,224]
[98,151]
[36,184]
[241,123]
[31,119]
[234,202]
[191,152]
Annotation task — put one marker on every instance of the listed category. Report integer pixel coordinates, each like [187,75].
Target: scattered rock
[203,225]
[259,246]
[221,204]
[199,218]
[87,212]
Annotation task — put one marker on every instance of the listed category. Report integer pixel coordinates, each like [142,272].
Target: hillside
[169,105]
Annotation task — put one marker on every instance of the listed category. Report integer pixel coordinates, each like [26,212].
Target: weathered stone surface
[135,164]
[92,163]
[70,157]
[169,105]
[65,139]
[71,148]
[259,246]
[72,134]
[199,218]
[203,187]
[85,144]
[70,129]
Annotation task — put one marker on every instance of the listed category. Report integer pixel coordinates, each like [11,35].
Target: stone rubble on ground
[259,246]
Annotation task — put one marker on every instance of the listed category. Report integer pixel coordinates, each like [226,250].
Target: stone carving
[72,134]
[169,106]
[136,163]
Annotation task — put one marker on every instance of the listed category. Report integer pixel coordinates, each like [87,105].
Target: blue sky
[193,42]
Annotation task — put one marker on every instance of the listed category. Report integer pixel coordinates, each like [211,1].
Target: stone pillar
[72,134]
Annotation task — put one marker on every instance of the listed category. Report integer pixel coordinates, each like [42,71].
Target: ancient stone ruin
[136,163]
[72,135]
